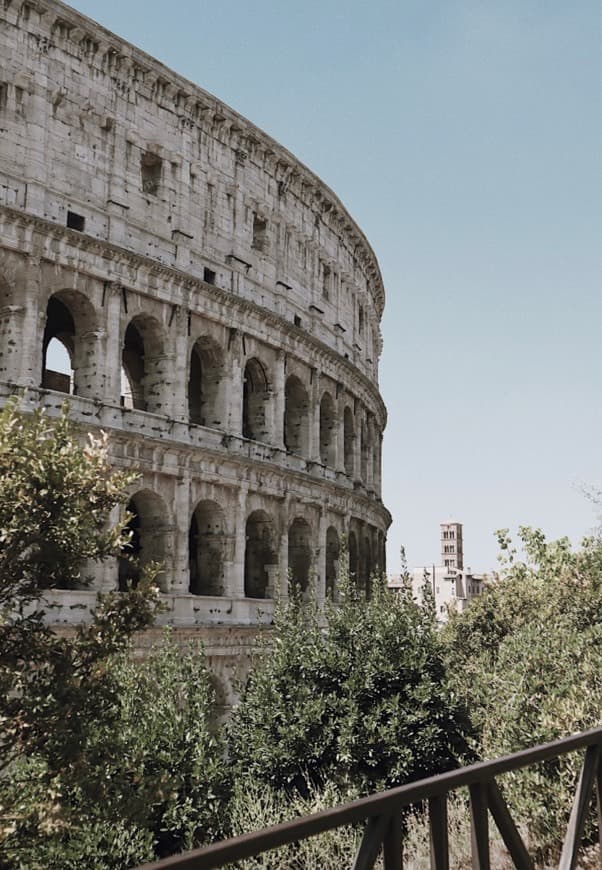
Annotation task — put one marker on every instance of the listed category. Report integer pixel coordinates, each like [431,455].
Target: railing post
[479,826]
[507,828]
[372,840]
[572,841]
[438,832]
[392,845]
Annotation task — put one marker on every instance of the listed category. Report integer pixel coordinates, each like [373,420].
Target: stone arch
[299,553]
[206,399]
[327,430]
[364,450]
[69,345]
[348,440]
[149,526]
[206,549]
[142,365]
[260,555]
[255,397]
[296,417]
[332,560]
[353,556]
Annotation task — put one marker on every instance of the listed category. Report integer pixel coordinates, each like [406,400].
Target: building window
[208,276]
[260,231]
[150,171]
[325,282]
[76,221]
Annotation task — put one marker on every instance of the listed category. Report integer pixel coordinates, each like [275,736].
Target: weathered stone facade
[219,308]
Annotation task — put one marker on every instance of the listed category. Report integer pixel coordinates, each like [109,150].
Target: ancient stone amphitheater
[204,298]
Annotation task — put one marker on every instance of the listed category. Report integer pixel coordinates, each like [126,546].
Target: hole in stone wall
[260,233]
[76,221]
[208,276]
[332,560]
[150,171]
[327,430]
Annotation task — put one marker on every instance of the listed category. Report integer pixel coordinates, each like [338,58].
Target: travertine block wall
[219,307]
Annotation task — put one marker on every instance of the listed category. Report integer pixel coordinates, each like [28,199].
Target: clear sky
[464,136]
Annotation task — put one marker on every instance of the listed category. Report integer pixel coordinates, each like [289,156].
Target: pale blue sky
[465,139]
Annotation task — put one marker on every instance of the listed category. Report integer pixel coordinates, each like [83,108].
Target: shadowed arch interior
[260,555]
[148,526]
[332,560]
[296,417]
[327,430]
[205,384]
[207,541]
[255,398]
[143,366]
[299,553]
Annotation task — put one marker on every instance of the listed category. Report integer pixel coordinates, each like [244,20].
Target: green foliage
[55,497]
[152,780]
[527,660]
[356,696]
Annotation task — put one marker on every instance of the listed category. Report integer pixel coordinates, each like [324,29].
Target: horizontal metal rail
[382,813]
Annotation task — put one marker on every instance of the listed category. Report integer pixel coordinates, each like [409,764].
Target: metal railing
[381,813]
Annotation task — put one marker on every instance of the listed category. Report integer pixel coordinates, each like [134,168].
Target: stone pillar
[283,550]
[314,417]
[320,559]
[278,401]
[113,343]
[340,436]
[233,385]
[177,538]
[26,323]
[235,583]
[106,579]
[180,367]
[370,459]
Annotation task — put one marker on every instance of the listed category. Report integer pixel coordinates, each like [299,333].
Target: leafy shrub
[358,695]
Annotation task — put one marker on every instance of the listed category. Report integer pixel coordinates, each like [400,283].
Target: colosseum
[204,298]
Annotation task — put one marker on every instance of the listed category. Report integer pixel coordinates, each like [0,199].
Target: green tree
[527,660]
[152,782]
[356,696]
[55,496]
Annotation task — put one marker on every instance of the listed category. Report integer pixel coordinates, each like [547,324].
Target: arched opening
[254,401]
[376,459]
[260,556]
[69,353]
[299,553]
[352,545]
[296,417]
[143,369]
[59,346]
[332,560]
[364,452]
[327,430]
[206,549]
[205,393]
[348,440]
[148,526]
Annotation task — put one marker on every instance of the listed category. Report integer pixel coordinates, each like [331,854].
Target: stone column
[235,583]
[340,436]
[320,560]
[278,401]
[283,549]
[370,459]
[177,538]
[233,385]
[113,343]
[26,323]
[180,367]
[314,417]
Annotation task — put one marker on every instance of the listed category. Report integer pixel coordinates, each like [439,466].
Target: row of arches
[212,545]
[309,422]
